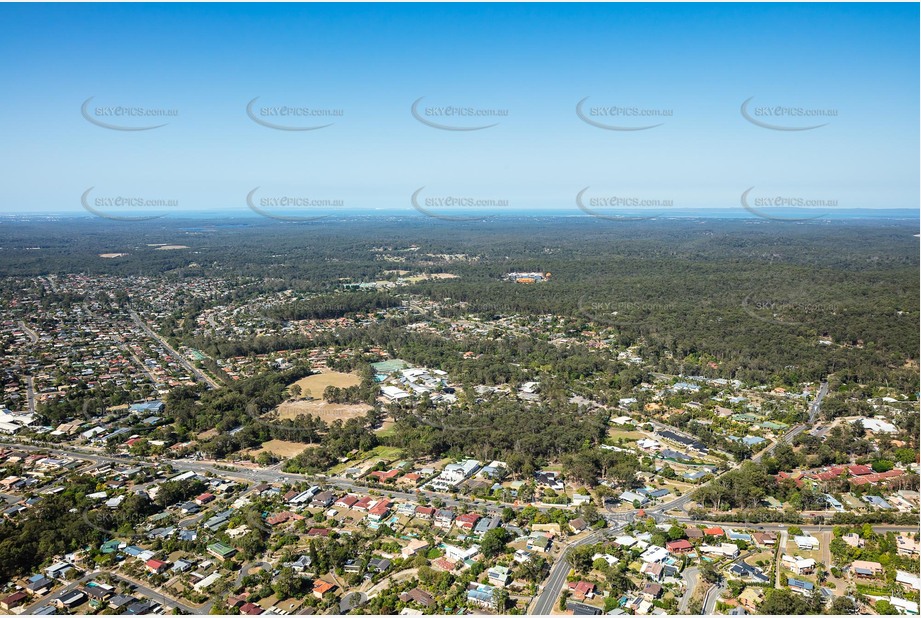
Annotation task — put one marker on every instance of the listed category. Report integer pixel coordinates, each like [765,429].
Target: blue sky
[535,61]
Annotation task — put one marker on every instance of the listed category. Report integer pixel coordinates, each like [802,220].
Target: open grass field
[313,386]
[386,428]
[327,412]
[628,436]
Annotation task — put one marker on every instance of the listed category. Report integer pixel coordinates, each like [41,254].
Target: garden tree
[252,544]
[885,608]
[741,487]
[675,532]
[589,512]
[842,605]
[840,551]
[500,597]
[55,526]
[581,558]
[784,602]
[172,492]
[563,598]
[881,465]
[534,570]
[493,542]
[782,459]
[289,584]
[135,507]
[710,574]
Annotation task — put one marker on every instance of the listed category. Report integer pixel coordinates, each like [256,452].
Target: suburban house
[444,518]
[222,551]
[414,547]
[908,580]
[751,598]
[907,546]
[347,501]
[499,575]
[651,592]
[800,566]
[322,587]
[800,586]
[653,571]
[853,540]
[156,566]
[582,589]
[13,600]
[806,543]
[866,569]
[765,539]
[417,595]
[467,521]
[681,546]
[481,595]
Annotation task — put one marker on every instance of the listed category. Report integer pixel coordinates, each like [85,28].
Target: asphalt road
[560,570]
[710,599]
[690,576]
[199,375]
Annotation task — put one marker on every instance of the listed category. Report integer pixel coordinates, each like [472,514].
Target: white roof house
[904,606]
[452,552]
[878,426]
[909,579]
[806,542]
[207,582]
[654,553]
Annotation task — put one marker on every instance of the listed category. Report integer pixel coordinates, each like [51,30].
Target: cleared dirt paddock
[327,412]
[281,448]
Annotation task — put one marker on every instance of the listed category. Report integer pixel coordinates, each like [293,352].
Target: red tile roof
[467,520]
[347,500]
[155,565]
[322,586]
[680,545]
[250,609]
[582,588]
